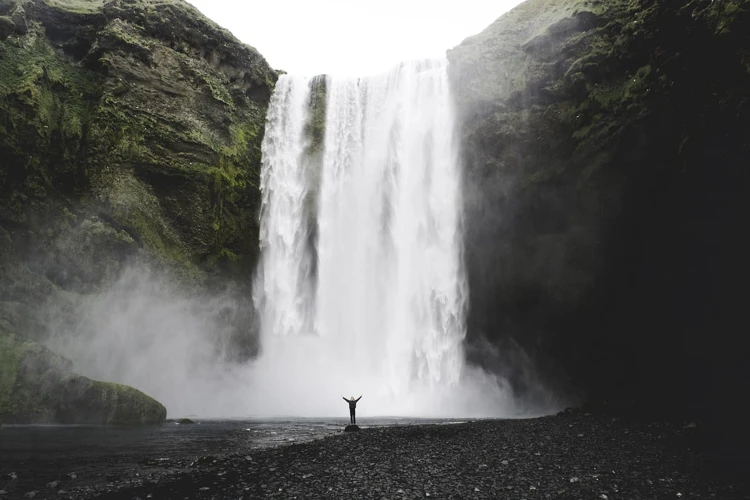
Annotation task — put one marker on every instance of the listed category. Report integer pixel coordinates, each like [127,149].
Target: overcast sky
[351,37]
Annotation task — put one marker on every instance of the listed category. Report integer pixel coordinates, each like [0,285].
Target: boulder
[351,428]
[7,27]
[39,387]
[19,18]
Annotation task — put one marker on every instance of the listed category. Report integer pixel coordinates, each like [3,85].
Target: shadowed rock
[38,386]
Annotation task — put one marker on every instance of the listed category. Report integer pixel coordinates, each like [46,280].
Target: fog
[144,333]
[381,312]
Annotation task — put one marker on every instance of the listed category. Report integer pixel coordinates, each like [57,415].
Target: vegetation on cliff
[130,132]
[606,151]
[142,116]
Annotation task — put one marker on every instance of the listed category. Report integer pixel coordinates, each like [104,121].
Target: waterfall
[284,290]
[375,302]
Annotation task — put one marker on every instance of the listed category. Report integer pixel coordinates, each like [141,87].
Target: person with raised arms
[352,408]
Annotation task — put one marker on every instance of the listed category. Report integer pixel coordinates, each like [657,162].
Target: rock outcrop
[606,148]
[136,126]
[130,133]
[39,387]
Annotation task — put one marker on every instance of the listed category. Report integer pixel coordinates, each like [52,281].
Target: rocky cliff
[130,133]
[135,122]
[606,146]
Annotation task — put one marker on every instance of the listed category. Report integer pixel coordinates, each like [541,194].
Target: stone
[38,386]
[19,19]
[351,428]
[7,27]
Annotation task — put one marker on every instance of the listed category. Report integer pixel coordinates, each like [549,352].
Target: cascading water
[376,304]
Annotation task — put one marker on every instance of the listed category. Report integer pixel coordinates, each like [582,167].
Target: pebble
[407,461]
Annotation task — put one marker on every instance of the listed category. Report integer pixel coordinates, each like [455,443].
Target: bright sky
[351,37]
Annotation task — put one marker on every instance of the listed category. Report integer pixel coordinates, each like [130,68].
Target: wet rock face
[130,133]
[143,116]
[605,145]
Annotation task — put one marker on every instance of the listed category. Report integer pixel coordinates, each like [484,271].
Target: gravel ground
[573,455]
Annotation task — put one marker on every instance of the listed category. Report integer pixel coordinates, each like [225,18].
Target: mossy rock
[605,150]
[168,153]
[7,6]
[145,120]
[7,27]
[37,386]
[87,401]
[19,18]
[185,421]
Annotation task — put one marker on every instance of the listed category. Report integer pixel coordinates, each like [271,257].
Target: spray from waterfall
[361,287]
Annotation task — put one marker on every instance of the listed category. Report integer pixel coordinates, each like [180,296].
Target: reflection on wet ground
[33,456]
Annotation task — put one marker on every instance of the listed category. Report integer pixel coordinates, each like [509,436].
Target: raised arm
[359,398]
[342,397]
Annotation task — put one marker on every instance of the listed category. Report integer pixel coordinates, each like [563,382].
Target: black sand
[570,456]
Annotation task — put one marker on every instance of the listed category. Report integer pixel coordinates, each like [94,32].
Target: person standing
[352,408]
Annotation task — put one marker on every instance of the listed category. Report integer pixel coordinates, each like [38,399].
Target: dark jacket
[352,402]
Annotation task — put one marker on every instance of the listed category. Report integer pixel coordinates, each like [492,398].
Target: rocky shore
[574,455]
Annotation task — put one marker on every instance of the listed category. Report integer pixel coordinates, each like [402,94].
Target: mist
[361,293]
[143,332]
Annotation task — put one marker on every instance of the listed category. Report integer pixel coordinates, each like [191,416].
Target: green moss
[139,211]
[315,128]
[127,406]
[45,106]
[45,391]
[7,6]
[218,89]
[132,36]
[11,352]
[77,6]
[169,152]
[7,27]
[725,16]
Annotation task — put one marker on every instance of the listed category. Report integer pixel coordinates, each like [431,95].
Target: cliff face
[130,133]
[141,119]
[606,148]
